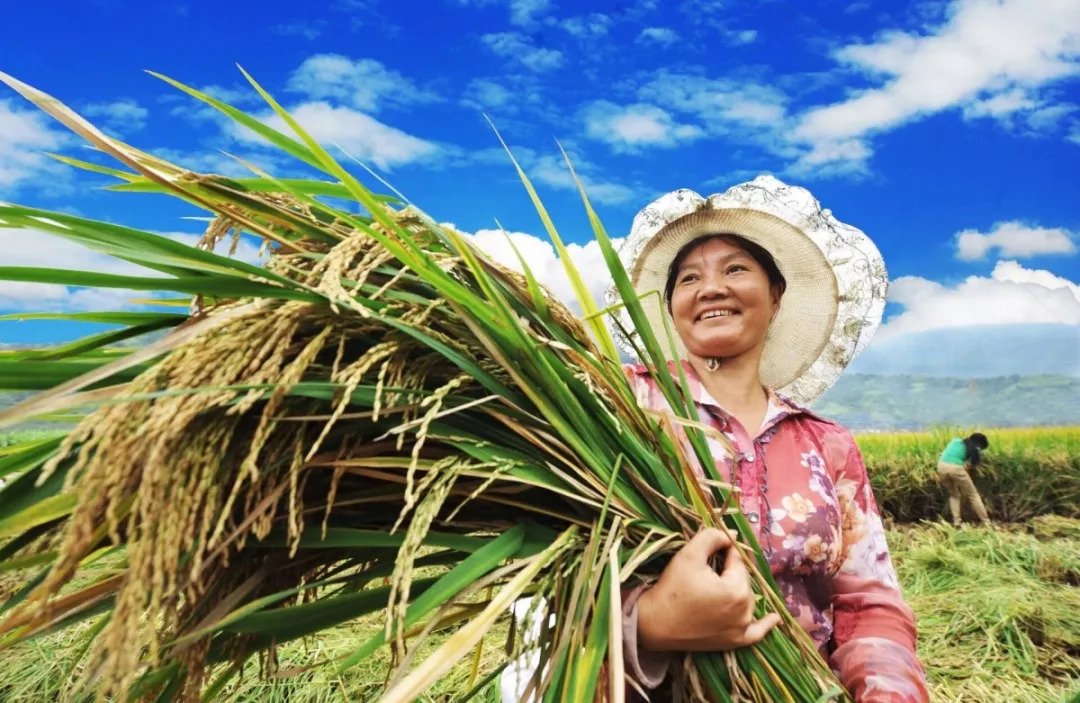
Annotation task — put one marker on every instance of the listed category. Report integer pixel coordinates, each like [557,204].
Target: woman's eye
[736,268]
[688,278]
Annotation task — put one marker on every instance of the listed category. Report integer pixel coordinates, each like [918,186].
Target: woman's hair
[974,445]
[757,252]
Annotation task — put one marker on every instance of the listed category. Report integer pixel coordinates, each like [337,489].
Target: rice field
[1025,473]
[998,611]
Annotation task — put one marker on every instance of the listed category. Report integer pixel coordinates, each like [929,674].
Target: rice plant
[377,420]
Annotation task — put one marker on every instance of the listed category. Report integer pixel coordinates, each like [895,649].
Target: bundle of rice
[378,398]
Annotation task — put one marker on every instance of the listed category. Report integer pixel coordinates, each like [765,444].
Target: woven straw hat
[836,278]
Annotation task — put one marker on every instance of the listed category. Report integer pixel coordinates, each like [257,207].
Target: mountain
[904,402]
[983,351]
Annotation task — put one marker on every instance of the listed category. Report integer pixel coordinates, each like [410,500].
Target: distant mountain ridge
[983,351]
[908,402]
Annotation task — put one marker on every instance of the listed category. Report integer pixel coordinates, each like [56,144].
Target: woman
[960,457]
[766,290]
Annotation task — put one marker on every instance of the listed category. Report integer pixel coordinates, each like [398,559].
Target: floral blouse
[804,487]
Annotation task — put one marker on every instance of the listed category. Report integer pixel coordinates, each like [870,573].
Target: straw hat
[836,278]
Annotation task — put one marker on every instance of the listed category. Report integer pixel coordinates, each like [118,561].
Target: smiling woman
[756,301]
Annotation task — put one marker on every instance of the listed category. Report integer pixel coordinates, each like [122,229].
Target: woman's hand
[692,608]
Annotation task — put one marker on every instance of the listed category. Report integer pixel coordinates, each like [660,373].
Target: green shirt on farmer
[955,453]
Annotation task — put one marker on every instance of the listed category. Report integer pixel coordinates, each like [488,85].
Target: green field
[998,611]
[1025,473]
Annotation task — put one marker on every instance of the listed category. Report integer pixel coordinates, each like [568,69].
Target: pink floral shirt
[804,487]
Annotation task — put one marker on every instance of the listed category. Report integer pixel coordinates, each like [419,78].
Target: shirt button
[752,517]
[750,456]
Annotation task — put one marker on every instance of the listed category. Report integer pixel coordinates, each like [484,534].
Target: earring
[712,363]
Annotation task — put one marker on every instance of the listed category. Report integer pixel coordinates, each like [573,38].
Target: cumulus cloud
[357,133]
[723,105]
[301,28]
[587,26]
[550,169]
[24,134]
[35,248]
[540,255]
[125,115]
[525,12]
[365,84]
[520,48]
[1012,294]
[487,93]
[988,58]
[742,36]
[1014,240]
[630,127]
[664,36]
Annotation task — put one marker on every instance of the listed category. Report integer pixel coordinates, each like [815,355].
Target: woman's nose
[712,287]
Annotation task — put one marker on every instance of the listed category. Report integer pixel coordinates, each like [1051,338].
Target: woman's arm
[874,629]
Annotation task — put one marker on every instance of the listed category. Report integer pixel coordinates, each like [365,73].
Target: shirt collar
[779,408]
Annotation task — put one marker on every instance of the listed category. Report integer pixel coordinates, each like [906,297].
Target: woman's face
[722,302]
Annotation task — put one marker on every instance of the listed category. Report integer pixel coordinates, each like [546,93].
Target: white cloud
[365,84]
[24,134]
[123,115]
[195,110]
[721,104]
[1011,294]
[525,12]
[552,171]
[742,36]
[588,26]
[520,48]
[1000,105]
[664,36]
[1015,240]
[203,161]
[35,248]
[361,135]
[540,256]
[1047,119]
[989,57]
[487,93]
[301,28]
[1018,110]
[827,159]
[631,127]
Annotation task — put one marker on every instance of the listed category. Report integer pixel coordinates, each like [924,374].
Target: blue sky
[948,131]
